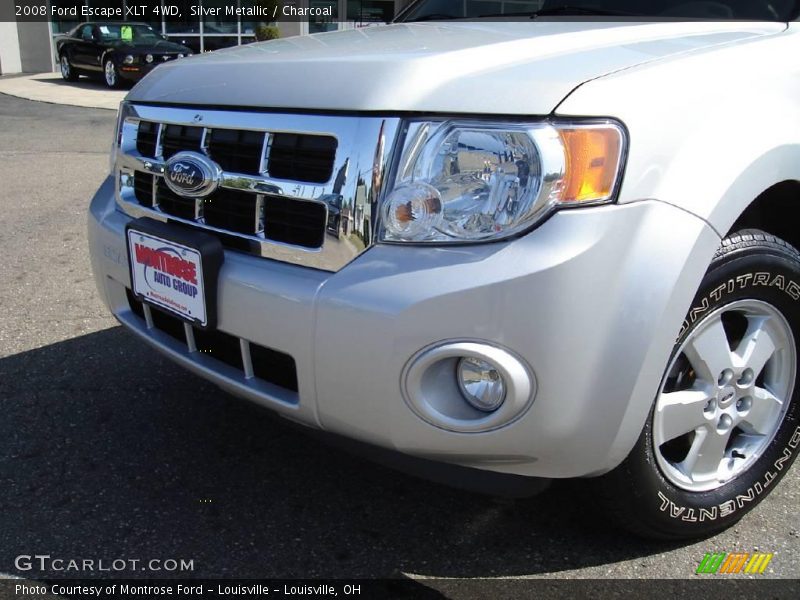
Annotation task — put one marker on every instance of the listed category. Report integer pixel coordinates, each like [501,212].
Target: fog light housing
[481,384]
[468,386]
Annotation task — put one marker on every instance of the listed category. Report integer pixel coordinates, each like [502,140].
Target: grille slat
[237,150]
[176,138]
[294,222]
[147,139]
[269,365]
[233,210]
[143,188]
[307,158]
[220,345]
[172,204]
[273,366]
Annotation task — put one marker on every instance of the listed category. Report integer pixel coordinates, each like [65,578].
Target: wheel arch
[62,49]
[772,211]
[110,52]
[772,179]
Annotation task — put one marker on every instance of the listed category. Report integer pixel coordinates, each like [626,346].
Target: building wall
[34,47]
[10,60]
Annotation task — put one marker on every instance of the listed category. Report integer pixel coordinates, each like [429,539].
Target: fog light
[149,58]
[481,384]
[467,386]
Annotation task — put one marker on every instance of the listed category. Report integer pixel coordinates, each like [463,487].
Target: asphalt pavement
[109,451]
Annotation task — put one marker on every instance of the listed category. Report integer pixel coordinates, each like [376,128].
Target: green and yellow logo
[730,564]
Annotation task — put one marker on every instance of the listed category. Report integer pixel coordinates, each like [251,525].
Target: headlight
[129,60]
[149,58]
[472,181]
[180,55]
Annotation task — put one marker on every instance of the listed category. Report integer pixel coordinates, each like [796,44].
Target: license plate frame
[175,269]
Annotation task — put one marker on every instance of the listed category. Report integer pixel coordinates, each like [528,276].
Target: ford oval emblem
[192,175]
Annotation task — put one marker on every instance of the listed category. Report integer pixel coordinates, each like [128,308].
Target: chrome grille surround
[362,157]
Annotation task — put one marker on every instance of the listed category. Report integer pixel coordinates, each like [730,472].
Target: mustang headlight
[472,181]
[129,59]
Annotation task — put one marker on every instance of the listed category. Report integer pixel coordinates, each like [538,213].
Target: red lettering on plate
[167,263]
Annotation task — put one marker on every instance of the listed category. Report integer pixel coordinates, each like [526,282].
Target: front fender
[709,132]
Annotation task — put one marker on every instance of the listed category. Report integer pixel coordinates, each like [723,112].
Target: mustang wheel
[725,426]
[111,74]
[67,72]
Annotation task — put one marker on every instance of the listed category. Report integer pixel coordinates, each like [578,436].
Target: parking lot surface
[51,88]
[109,451]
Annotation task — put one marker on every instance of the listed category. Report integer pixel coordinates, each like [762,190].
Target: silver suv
[533,246]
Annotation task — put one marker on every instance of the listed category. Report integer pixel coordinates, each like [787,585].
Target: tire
[671,485]
[68,73]
[111,74]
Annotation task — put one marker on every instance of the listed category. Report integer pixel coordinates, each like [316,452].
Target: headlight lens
[149,58]
[129,60]
[472,181]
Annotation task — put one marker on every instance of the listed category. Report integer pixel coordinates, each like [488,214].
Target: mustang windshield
[133,34]
[718,10]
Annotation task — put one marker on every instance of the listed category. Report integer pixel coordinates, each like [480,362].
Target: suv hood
[488,67]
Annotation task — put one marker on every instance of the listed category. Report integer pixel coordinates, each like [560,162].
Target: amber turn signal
[593,156]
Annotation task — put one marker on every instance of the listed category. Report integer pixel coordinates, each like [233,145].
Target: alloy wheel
[725,395]
[111,74]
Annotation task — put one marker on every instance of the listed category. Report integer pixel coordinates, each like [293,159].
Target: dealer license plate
[169,275]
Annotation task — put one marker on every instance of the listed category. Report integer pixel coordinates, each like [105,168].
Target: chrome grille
[281,176]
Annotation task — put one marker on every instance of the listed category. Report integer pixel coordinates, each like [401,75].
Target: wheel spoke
[680,413]
[757,346]
[765,410]
[709,352]
[706,454]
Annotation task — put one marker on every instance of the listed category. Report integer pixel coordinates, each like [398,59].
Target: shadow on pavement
[85,83]
[109,451]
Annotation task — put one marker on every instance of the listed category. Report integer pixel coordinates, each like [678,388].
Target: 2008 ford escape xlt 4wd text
[540,246]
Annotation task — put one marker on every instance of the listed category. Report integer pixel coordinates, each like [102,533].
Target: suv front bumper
[591,301]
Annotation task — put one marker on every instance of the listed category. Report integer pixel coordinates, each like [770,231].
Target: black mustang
[119,51]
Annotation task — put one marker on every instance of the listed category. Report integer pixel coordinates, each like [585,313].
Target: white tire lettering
[761,279]
[708,515]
